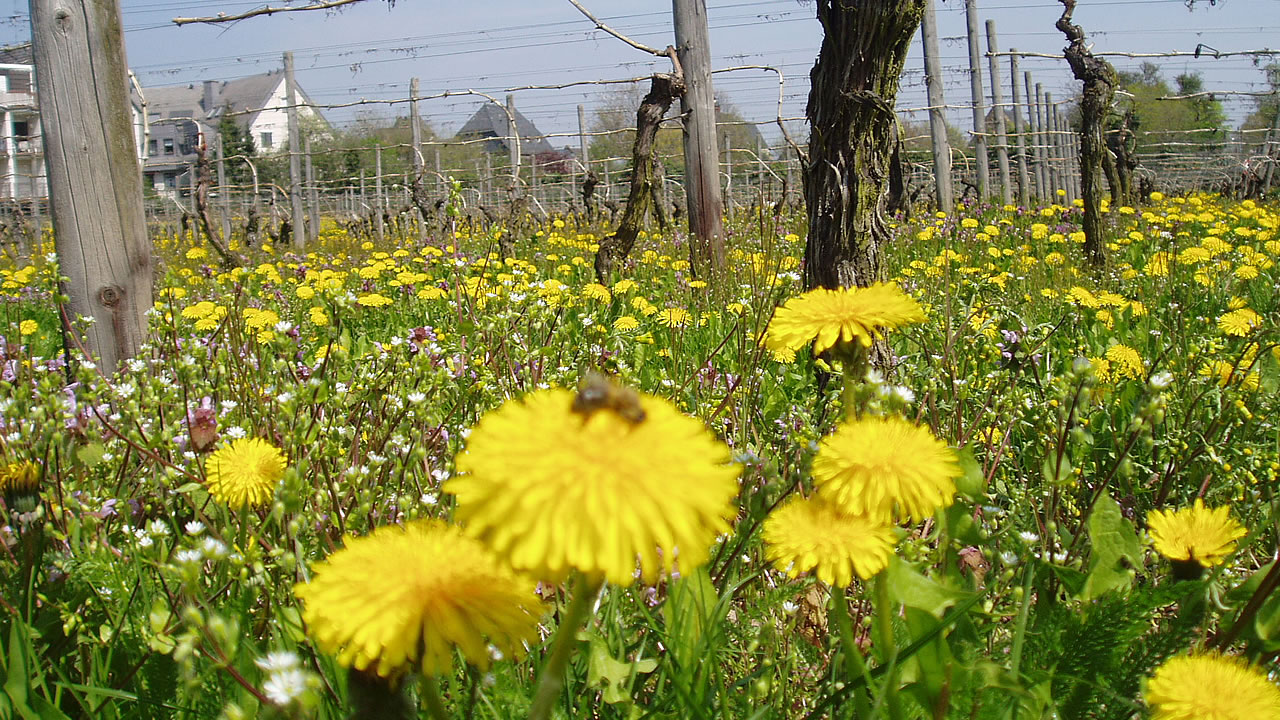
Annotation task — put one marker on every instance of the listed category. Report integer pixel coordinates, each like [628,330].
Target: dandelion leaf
[1116,550]
[613,676]
[914,590]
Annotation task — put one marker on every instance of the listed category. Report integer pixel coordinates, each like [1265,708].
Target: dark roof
[17,54]
[246,93]
[490,121]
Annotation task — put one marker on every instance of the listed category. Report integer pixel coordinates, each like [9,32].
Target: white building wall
[276,121]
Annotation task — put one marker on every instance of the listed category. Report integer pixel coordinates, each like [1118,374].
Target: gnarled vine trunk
[853,145]
[1099,80]
[643,197]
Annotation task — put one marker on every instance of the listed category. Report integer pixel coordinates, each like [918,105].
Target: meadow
[1081,521]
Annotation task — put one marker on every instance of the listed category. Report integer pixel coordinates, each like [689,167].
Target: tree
[236,141]
[1199,121]
[853,141]
[1265,112]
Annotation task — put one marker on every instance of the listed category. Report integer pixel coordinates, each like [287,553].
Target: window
[151,148]
[171,181]
[265,139]
[168,146]
[22,129]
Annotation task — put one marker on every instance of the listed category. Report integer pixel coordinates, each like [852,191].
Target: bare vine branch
[265,10]
[615,33]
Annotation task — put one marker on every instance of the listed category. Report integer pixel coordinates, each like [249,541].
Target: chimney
[208,96]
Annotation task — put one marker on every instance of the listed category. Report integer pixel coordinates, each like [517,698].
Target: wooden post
[997,104]
[378,205]
[224,194]
[1048,143]
[1042,146]
[95,185]
[980,159]
[513,140]
[697,105]
[440,189]
[313,195]
[728,176]
[419,161]
[937,120]
[582,140]
[1024,176]
[295,170]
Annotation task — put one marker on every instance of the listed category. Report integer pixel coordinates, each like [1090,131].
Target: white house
[179,117]
[22,173]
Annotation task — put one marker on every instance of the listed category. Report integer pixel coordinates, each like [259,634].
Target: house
[490,121]
[22,173]
[179,117]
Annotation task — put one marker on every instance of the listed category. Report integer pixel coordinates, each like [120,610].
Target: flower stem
[551,680]
[431,693]
[855,664]
[889,649]
[854,356]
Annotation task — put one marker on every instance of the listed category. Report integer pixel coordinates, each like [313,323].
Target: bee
[597,392]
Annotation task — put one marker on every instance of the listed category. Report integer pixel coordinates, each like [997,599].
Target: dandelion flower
[596,291]
[27,327]
[1196,534]
[19,478]
[626,323]
[830,316]
[1211,687]
[1239,322]
[406,596]
[675,317]
[555,490]
[244,472]
[1125,363]
[875,466]
[811,534]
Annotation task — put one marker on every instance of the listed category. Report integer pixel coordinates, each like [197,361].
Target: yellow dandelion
[19,478]
[675,317]
[244,472]
[405,597]
[28,327]
[826,317]
[1196,534]
[1239,322]
[596,291]
[555,490]
[811,534]
[1211,687]
[886,467]
[1125,363]
[626,323]
[373,300]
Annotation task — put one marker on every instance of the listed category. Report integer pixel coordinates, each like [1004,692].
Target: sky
[370,50]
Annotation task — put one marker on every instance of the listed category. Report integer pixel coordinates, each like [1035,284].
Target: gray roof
[241,94]
[19,54]
[490,121]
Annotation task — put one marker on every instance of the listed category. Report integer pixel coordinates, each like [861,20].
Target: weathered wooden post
[313,196]
[937,120]
[95,185]
[224,194]
[698,107]
[295,166]
[997,104]
[379,206]
[980,159]
[1024,176]
[1033,137]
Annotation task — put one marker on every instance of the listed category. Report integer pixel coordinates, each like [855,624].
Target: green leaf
[601,665]
[936,664]
[189,487]
[912,589]
[1116,550]
[16,683]
[971,483]
[91,454]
